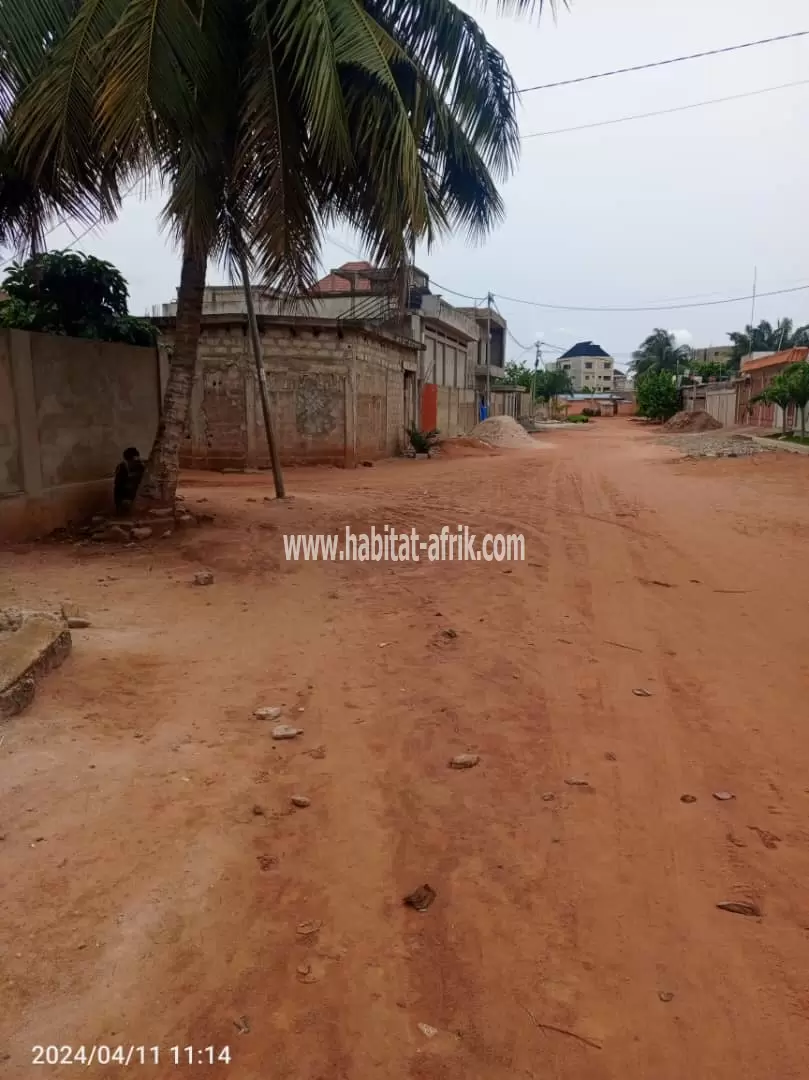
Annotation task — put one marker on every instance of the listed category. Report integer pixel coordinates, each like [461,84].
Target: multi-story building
[589,368]
[714,354]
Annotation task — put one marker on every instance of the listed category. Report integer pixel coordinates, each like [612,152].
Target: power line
[665,112]
[93,225]
[663,63]
[659,307]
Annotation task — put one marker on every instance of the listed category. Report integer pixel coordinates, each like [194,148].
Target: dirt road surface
[159,890]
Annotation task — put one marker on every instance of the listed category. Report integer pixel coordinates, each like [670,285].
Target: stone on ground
[504,431]
[31,643]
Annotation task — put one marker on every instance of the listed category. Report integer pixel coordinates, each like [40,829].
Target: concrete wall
[68,407]
[719,400]
[10,465]
[338,395]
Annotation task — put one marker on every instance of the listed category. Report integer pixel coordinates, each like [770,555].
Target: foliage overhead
[660,352]
[65,293]
[657,395]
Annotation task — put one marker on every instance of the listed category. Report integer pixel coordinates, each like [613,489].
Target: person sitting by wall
[128,476]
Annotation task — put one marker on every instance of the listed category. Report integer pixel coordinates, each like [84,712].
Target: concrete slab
[31,643]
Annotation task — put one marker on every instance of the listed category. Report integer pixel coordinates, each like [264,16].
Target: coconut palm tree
[660,352]
[266,120]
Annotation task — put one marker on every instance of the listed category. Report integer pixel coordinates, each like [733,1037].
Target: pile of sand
[503,431]
[692,421]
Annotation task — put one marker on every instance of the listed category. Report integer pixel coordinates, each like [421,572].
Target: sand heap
[692,421]
[503,431]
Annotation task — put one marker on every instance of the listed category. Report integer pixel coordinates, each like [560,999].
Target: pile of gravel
[503,431]
[692,421]
[716,446]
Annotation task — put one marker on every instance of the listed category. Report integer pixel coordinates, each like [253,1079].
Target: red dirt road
[155,879]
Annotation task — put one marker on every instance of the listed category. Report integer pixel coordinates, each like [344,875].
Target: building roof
[778,359]
[584,348]
[335,283]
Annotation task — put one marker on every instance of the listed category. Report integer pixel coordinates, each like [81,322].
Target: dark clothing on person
[127,480]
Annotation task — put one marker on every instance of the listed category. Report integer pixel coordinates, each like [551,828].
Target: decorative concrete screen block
[319,403]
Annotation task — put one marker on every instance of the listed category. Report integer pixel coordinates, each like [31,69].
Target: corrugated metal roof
[786,356]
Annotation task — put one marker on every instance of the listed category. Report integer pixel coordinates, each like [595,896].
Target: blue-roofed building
[589,368]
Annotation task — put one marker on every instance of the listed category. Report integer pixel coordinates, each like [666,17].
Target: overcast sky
[679,206]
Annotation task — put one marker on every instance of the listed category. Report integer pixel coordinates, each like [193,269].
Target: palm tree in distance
[660,352]
[265,120]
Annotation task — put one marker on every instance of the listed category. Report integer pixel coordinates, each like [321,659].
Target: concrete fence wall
[68,407]
[717,399]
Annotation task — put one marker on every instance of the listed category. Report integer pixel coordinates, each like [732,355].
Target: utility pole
[489,302]
[537,362]
[261,375]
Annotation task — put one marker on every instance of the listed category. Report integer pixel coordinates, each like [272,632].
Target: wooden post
[261,374]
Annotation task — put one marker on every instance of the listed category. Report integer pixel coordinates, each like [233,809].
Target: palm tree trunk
[159,485]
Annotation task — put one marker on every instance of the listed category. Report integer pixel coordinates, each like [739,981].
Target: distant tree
[587,390]
[657,395]
[709,369]
[767,338]
[551,384]
[776,393]
[660,352]
[65,293]
[517,375]
[797,380]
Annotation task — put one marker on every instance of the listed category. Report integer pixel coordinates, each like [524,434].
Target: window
[565,367]
[606,364]
[588,365]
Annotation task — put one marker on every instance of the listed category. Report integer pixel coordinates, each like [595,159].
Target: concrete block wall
[337,396]
[68,408]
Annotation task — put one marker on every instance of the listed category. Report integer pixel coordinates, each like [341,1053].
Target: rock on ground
[31,643]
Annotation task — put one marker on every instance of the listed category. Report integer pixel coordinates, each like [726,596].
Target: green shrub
[578,418]
[422,441]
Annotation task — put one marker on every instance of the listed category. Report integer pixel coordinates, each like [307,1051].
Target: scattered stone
[723,796]
[31,643]
[267,712]
[464,761]
[305,974]
[740,908]
[609,756]
[421,898]
[449,633]
[575,781]
[258,811]
[112,534]
[367,464]
[161,511]
[300,801]
[735,840]
[548,796]
[77,622]
[252,500]
[308,928]
[141,532]
[688,798]
[284,731]
[166,534]
[665,996]
[203,577]
[242,1025]
[427,1030]
[318,752]
[266,862]
[185,520]
[639,691]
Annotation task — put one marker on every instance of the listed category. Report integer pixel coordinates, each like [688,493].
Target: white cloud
[683,337]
